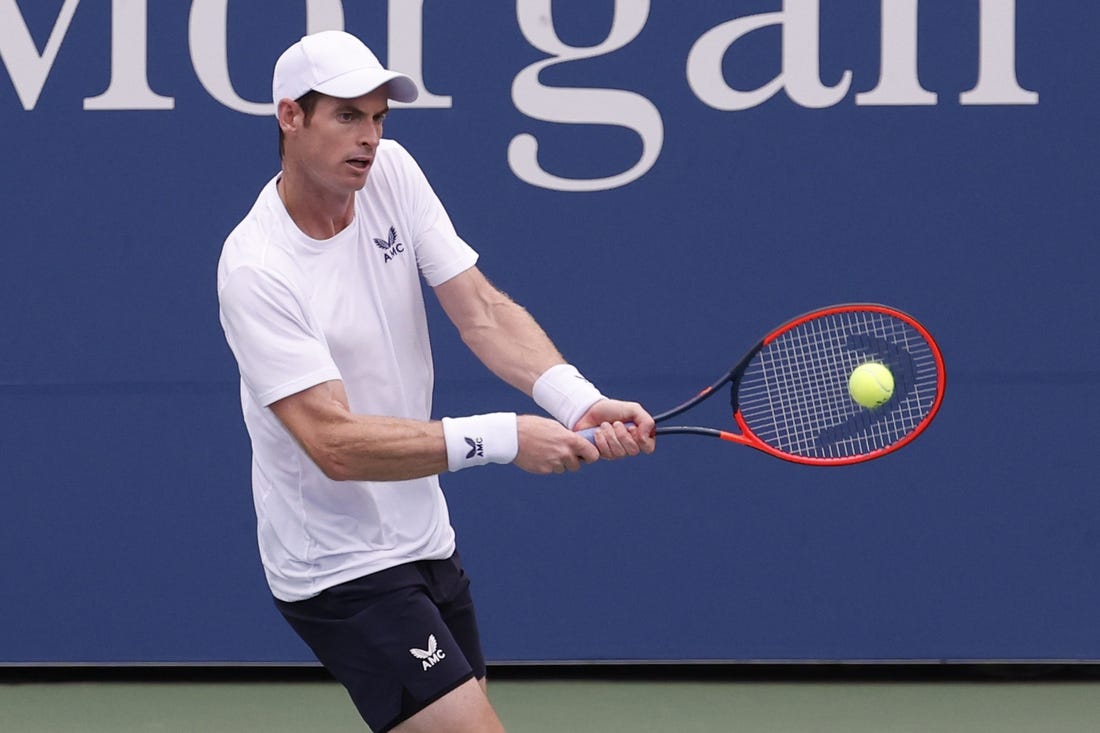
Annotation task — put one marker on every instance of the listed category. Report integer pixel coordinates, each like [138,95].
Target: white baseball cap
[337,64]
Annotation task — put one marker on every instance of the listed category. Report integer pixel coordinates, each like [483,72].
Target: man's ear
[290,115]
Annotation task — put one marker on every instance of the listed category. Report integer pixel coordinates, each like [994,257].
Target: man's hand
[623,428]
[547,447]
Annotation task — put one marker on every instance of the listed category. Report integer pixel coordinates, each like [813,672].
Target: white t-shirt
[298,312]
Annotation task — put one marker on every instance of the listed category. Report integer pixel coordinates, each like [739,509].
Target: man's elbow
[331,461]
[336,470]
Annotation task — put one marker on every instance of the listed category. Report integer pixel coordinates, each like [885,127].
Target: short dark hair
[308,102]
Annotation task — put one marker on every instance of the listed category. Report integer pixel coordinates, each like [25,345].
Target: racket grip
[589,434]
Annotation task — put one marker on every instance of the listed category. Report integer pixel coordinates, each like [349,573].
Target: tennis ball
[871,384]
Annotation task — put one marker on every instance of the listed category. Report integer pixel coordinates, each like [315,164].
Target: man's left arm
[508,340]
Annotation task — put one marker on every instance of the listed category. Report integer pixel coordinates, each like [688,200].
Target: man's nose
[370,133]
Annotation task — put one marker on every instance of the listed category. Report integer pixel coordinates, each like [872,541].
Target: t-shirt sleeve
[278,350]
[440,252]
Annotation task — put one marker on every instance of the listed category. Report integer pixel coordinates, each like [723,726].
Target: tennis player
[322,306]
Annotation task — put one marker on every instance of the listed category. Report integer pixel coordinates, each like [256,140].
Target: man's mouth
[360,163]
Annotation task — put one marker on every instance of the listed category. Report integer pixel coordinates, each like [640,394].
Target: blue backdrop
[703,171]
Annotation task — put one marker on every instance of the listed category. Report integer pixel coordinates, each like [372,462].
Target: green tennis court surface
[549,701]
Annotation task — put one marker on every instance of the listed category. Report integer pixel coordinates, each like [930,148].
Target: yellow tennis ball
[871,384]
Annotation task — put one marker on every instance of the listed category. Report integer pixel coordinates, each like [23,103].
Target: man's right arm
[351,447]
[346,446]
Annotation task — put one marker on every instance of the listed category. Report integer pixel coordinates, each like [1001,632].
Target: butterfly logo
[431,656]
[477,448]
[390,246]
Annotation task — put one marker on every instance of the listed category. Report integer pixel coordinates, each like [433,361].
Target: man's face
[335,146]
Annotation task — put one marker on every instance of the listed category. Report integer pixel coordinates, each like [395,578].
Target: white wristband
[480,439]
[565,394]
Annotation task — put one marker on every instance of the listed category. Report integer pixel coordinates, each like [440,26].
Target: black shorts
[398,640]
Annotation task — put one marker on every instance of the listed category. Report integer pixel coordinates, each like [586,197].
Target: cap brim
[364,81]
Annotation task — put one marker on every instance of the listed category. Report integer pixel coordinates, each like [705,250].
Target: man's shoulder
[395,169]
[389,146]
[393,156]
[255,243]
[259,218]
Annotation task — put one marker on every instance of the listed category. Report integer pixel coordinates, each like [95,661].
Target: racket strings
[794,393]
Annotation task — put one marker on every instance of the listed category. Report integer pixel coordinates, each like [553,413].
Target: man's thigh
[466,709]
[396,640]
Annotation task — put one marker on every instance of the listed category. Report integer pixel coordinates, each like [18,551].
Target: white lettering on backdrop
[798,20]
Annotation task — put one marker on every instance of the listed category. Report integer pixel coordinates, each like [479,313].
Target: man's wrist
[564,393]
[479,439]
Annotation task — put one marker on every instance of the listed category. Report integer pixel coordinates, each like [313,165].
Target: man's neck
[317,215]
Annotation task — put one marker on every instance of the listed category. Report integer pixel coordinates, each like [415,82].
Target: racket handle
[589,434]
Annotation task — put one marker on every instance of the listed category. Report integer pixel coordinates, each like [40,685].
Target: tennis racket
[790,395]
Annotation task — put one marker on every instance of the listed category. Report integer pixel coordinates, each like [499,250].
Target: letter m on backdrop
[27,67]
